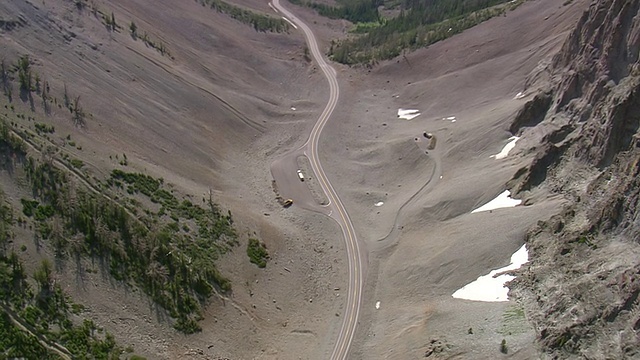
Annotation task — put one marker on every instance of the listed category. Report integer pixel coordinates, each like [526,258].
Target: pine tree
[133,28]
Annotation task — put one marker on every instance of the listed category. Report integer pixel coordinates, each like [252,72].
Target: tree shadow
[161,313]
[60,263]
[47,107]
[32,104]
[24,95]
[81,272]
[36,240]
[9,159]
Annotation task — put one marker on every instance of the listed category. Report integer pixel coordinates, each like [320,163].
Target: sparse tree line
[30,82]
[259,22]
[419,24]
[174,265]
[44,308]
[356,11]
[110,23]
[170,254]
[375,46]
[158,45]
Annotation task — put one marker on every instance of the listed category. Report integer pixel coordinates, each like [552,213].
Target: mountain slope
[582,285]
[202,103]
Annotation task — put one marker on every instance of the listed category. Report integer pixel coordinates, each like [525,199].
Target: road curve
[355,251]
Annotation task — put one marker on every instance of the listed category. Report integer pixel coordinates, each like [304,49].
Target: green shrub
[43,212]
[187,325]
[76,163]
[257,252]
[259,22]
[29,206]
[44,128]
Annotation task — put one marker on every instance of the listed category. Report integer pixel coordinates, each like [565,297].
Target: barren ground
[218,114]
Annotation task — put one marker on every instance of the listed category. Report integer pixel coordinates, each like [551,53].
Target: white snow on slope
[490,288]
[505,150]
[408,114]
[501,201]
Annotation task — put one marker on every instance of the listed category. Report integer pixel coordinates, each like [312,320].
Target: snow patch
[519,95]
[491,287]
[408,114]
[501,201]
[379,203]
[293,108]
[377,305]
[505,150]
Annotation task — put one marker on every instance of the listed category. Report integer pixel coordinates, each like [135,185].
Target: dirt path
[51,346]
[80,177]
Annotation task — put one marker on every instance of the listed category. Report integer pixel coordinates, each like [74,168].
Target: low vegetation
[36,319]
[29,82]
[175,267]
[356,11]
[257,252]
[134,227]
[259,22]
[169,253]
[418,24]
[44,128]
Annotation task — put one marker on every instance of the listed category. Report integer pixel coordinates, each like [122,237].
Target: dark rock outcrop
[581,288]
[532,113]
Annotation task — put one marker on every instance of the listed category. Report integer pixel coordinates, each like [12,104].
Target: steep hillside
[148,129]
[178,66]
[581,289]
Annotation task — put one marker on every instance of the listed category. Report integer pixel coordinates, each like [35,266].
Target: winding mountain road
[355,251]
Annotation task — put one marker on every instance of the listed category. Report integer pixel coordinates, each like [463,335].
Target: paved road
[355,251]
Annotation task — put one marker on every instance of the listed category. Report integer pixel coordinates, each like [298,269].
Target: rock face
[581,288]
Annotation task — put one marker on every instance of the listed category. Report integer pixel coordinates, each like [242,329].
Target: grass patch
[259,22]
[44,128]
[257,252]
[513,321]
[29,207]
[76,163]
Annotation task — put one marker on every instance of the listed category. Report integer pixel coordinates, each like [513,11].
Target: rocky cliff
[581,288]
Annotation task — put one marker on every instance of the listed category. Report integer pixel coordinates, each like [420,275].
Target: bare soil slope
[209,113]
[423,242]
